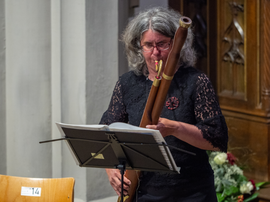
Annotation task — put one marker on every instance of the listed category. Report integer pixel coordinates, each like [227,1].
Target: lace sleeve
[208,114]
[116,111]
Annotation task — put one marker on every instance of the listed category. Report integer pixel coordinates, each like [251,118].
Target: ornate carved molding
[234,36]
[266,54]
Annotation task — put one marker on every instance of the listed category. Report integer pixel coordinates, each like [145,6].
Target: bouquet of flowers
[230,183]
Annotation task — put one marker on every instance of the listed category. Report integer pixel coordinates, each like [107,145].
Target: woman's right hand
[114,176]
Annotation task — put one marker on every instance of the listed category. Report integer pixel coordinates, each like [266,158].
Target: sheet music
[157,136]
[127,128]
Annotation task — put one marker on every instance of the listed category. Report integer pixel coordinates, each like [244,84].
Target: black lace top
[191,99]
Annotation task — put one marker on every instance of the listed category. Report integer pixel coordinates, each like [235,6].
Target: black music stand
[117,149]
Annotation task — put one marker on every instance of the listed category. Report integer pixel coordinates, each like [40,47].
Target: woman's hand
[114,176]
[183,131]
[165,126]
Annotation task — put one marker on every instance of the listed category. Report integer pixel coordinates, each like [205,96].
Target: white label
[31,191]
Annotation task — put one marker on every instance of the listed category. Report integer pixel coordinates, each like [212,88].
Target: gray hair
[162,20]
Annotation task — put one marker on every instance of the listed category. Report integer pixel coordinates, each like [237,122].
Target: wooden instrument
[158,93]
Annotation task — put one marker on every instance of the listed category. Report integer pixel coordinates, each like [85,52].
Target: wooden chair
[22,189]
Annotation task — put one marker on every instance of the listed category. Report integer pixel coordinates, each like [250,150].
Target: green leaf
[241,178]
[220,197]
[252,197]
[231,190]
[226,183]
[208,152]
[262,184]
[219,188]
[220,172]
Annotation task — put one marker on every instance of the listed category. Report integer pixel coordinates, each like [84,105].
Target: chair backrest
[17,189]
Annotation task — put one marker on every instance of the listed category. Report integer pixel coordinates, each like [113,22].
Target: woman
[191,118]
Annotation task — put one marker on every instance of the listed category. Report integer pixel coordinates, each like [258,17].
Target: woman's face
[153,38]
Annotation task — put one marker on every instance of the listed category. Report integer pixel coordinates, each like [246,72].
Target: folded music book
[103,146]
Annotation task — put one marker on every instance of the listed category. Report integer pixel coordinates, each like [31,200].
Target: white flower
[220,158]
[246,188]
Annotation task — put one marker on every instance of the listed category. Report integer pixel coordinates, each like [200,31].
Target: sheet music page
[81,126]
[130,128]
[157,136]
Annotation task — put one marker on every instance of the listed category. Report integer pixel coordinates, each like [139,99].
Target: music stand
[117,149]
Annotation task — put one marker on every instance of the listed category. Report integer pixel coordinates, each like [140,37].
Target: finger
[127,181]
[115,182]
[125,192]
[117,192]
[119,189]
[126,185]
[154,127]
[118,177]
[117,185]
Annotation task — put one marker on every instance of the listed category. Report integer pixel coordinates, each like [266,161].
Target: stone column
[56,86]
[28,98]
[103,64]
[3,164]
[73,81]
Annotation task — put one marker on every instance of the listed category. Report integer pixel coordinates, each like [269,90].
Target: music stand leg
[122,168]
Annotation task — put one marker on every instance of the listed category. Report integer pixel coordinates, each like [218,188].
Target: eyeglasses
[162,46]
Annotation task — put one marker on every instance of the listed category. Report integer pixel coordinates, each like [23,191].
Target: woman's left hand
[165,126]
[183,131]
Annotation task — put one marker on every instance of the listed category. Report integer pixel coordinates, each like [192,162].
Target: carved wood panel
[248,142]
[232,57]
[238,64]
[265,42]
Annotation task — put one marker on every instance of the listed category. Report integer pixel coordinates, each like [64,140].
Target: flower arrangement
[230,183]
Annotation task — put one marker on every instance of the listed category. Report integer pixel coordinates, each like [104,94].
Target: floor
[109,199]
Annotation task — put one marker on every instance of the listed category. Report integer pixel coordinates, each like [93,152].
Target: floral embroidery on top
[172,103]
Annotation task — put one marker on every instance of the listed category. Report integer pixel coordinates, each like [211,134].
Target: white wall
[146,4]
